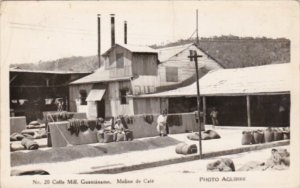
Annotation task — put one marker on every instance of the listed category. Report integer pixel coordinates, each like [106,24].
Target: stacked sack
[268,135]
[106,136]
[205,135]
[185,149]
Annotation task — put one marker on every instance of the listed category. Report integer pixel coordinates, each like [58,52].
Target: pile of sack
[279,160]
[28,136]
[221,165]
[205,135]
[106,136]
[27,141]
[264,136]
[35,125]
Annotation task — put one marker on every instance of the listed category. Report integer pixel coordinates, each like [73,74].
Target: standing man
[214,117]
[162,123]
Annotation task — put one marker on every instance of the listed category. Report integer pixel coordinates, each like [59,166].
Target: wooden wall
[146,105]
[186,68]
[111,65]
[113,104]
[74,94]
[144,64]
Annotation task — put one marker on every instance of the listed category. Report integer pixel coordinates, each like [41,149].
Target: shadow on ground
[81,151]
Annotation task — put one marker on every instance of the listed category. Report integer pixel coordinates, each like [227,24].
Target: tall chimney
[99,39]
[125,32]
[112,21]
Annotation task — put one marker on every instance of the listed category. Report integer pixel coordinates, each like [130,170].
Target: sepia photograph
[149,93]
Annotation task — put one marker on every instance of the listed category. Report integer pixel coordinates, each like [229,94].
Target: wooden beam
[204,109]
[248,111]
[13,78]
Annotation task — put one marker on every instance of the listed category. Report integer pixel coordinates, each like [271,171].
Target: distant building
[33,92]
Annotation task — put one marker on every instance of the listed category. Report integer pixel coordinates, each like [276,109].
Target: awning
[95,95]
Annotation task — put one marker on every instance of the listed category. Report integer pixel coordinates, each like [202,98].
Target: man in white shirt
[162,123]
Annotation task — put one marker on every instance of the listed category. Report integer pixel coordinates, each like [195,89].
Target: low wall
[60,136]
[141,126]
[187,122]
[17,124]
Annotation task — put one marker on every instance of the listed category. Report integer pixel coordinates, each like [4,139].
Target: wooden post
[193,56]
[248,111]
[204,110]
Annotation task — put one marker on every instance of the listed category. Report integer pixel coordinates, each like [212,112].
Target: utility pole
[99,39]
[193,56]
[197,26]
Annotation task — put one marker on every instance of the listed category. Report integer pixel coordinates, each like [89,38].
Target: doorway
[101,108]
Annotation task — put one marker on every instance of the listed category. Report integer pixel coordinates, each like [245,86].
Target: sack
[258,137]
[120,137]
[179,147]
[221,165]
[278,135]
[29,144]
[213,134]
[247,138]
[108,137]
[269,135]
[189,149]
[193,136]
[34,123]
[100,136]
[129,135]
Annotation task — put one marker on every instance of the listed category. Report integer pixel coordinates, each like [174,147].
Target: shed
[259,92]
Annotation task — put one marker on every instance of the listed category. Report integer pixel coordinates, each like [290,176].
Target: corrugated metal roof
[165,54]
[100,75]
[45,71]
[134,48]
[274,78]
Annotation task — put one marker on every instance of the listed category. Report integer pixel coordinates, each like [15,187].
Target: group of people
[117,128]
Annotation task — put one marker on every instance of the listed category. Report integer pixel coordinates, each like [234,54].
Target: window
[172,74]
[83,95]
[123,93]
[120,60]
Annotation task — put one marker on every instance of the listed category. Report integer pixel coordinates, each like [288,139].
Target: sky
[39,31]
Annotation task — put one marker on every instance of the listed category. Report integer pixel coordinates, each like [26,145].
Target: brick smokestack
[125,32]
[99,39]
[112,22]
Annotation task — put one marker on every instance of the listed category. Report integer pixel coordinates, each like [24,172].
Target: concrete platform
[230,143]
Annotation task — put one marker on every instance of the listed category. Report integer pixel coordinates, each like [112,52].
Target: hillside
[234,52]
[77,64]
[230,51]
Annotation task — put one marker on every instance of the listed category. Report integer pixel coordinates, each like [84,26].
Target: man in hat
[119,128]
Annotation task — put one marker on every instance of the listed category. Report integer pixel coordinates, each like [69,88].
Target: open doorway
[101,108]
